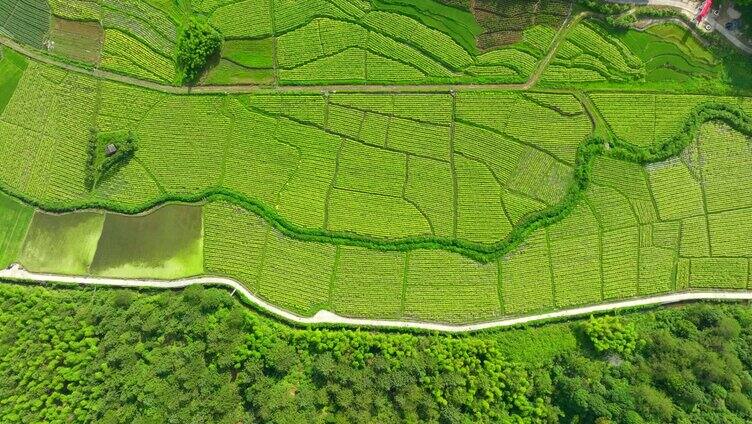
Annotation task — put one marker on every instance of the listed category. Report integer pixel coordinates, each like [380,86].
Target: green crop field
[406,165]
[474,161]
[166,243]
[290,42]
[74,237]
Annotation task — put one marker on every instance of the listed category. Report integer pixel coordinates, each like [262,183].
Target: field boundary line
[592,147]
[17,274]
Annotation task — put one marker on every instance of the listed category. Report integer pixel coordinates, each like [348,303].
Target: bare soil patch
[81,41]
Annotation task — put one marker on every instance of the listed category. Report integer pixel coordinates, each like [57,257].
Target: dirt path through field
[251,88]
[17,274]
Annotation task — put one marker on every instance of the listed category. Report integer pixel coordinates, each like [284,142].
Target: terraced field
[291,42]
[457,203]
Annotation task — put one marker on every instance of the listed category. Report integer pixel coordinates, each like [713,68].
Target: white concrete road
[17,274]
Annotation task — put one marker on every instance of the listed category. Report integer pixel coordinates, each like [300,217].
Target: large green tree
[197,43]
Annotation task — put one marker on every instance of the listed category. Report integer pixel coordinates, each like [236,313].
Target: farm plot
[647,118]
[297,275]
[243,19]
[526,279]
[243,62]
[80,41]
[234,241]
[441,286]
[125,54]
[590,53]
[28,21]
[76,10]
[62,244]
[12,66]
[672,54]
[46,123]
[723,164]
[14,222]
[368,283]
[139,40]
[504,22]
[165,243]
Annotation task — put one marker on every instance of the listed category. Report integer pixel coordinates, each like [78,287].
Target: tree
[611,334]
[198,41]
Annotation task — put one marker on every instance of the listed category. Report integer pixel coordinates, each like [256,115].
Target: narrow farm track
[16,274]
[254,88]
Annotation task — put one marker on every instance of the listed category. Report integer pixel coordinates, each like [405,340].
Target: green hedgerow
[198,41]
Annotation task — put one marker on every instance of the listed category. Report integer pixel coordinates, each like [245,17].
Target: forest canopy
[198,355]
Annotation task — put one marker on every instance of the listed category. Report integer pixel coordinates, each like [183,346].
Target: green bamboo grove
[594,146]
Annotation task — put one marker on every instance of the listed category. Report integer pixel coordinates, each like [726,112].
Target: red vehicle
[704,11]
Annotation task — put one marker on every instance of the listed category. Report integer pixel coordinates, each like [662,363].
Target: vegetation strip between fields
[595,145]
[16,274]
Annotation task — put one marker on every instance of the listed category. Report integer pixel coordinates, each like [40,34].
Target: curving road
[18,274]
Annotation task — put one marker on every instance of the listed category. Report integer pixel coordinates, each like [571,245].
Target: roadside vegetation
[121,356]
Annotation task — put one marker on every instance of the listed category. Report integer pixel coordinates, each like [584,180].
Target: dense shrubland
[198,356]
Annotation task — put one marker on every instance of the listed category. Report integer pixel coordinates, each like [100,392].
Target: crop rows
[81,10]
[123,53]
[28,21]
[180,166]
[68,126]
[14,222]
[505,22]
[144,23]
[437,44]
[322,41]
[248,18]
[480,211]
[289,14]
[26,142]
[305,158]
[368,283]
[723,162]
[427,187]
[590,54]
